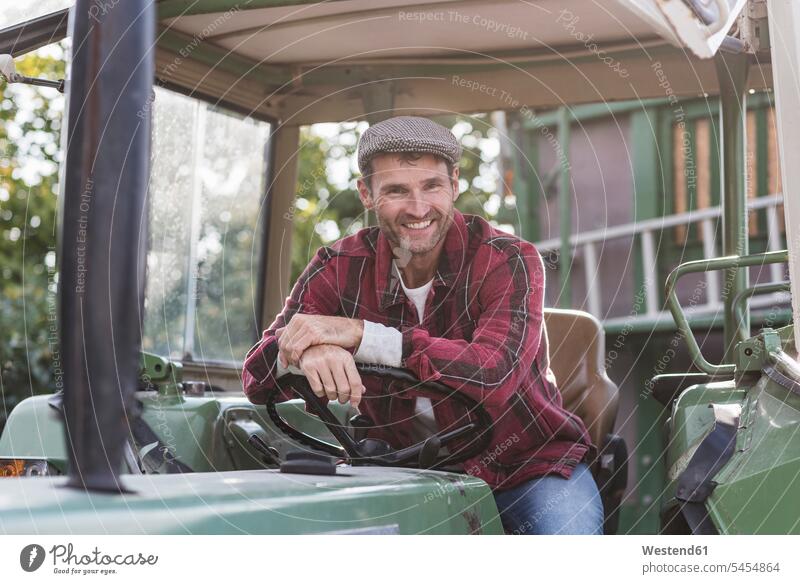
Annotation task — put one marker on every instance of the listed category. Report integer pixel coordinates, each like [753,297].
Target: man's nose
[417,206]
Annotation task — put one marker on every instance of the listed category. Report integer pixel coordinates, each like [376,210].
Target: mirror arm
[59,85]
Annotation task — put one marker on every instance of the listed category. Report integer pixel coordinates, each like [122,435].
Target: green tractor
[149,443]
[732,458]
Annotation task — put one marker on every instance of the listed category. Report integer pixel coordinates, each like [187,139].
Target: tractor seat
[577,346]
[577,358]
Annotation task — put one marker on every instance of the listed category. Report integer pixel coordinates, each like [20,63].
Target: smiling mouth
[419,225]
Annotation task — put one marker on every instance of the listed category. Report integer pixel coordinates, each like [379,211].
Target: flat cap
[407,134]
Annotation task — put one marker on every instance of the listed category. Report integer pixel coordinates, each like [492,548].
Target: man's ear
[364,194]
[454,182]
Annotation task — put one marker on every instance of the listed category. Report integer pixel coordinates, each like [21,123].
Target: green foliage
[323,212]
[30,120]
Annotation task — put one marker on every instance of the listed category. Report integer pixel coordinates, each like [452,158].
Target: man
[452,299]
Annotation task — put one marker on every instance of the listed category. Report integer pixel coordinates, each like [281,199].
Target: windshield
[12,13]
[206,194]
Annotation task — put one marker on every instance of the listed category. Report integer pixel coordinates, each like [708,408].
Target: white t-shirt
[384,345]
[424,421]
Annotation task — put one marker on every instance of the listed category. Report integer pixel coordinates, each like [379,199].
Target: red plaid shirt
[482,335]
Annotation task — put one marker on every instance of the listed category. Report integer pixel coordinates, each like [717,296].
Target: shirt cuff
[281,370]
[382,345]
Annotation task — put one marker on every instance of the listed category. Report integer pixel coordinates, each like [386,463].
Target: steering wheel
[372,451]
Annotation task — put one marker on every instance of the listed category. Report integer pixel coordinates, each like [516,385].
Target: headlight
[26,467]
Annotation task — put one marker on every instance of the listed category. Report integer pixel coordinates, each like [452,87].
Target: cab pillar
[732,76]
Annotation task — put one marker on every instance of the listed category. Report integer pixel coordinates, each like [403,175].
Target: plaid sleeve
[506,338]
[315,292]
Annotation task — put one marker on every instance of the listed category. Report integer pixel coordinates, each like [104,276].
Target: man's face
[412,199]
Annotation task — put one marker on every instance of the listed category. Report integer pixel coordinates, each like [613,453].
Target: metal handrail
[723,263]
[738,303]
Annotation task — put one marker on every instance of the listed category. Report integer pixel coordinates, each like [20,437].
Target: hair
[408,158]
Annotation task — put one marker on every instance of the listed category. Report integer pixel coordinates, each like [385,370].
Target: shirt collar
[451,263]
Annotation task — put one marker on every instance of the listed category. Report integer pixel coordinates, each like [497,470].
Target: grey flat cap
[407,134]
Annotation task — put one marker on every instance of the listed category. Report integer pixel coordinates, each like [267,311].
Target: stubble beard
[406,247]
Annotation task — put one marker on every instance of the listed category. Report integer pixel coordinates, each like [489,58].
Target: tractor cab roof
[302,62]
[342,60]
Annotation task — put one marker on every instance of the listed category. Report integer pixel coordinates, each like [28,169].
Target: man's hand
[306,330]
[331,372]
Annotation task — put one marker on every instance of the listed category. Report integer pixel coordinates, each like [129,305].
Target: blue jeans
[553,505]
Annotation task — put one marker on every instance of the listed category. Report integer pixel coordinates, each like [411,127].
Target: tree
[30,120]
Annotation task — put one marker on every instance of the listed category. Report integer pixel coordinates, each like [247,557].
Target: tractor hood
[355,500]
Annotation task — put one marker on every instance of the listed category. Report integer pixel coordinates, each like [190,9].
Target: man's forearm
[379,344]
[306,330]
[358,332]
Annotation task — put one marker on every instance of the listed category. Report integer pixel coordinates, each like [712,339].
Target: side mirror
[8,71]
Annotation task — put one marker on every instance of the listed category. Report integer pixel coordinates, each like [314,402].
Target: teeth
[421,225]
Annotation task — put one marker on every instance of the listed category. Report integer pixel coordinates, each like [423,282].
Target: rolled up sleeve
[380,344]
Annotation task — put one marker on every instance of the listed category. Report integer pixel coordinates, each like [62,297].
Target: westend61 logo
[66,561]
